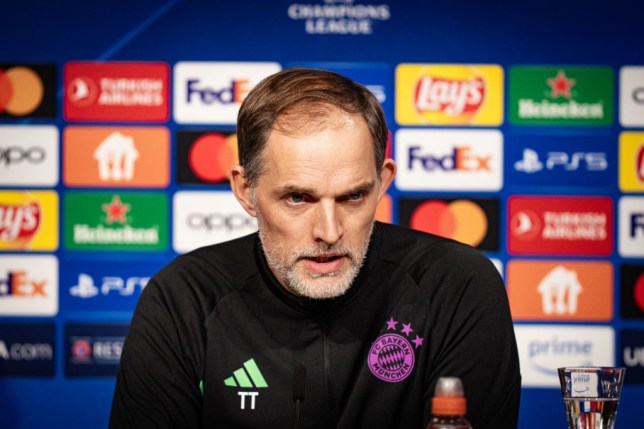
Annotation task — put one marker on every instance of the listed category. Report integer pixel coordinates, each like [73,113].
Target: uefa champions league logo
[392,356]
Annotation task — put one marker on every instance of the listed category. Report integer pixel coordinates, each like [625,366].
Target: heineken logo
[124,221]
[561,96]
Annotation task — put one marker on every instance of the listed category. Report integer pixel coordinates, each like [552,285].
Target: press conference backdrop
[518,129]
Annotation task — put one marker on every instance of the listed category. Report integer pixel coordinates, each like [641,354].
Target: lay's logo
[449,94]
[28,220]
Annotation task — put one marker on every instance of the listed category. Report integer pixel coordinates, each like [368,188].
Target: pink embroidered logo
[391,357]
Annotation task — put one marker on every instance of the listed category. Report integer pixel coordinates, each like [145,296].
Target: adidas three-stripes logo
[248,376]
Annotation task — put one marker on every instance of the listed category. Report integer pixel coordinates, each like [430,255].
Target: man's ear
[387,175]
[241,189]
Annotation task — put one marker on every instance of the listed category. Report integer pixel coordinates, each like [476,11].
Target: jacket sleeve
[161,363]
[476,342]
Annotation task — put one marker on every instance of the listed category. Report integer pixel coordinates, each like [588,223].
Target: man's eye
[355,196]
[295,198]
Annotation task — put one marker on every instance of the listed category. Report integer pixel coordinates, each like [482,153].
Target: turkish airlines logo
[206,157]
[470,221]
[449,160]
[560,225]
[566,290]
[27,90]
[124,157]
[116,91]
[204,218]
[28,285]
[211,92]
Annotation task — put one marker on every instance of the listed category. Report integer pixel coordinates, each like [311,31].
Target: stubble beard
[298,281]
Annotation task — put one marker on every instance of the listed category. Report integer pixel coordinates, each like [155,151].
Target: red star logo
[561,85]
[116,210]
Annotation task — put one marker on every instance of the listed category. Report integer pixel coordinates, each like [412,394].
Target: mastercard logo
[21,91]
[206,157]
[27,90]
[461,220]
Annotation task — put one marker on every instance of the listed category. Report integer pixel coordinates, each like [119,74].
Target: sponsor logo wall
[521,162]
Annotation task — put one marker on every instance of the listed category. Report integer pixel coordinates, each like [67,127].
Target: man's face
[315,202]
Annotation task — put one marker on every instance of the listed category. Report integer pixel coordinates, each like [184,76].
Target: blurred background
[518,128]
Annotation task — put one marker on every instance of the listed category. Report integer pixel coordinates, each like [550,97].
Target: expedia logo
[27,90]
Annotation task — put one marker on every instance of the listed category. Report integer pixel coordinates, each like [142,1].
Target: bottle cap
[449,399]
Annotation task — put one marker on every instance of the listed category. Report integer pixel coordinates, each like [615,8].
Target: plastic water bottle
[449,405]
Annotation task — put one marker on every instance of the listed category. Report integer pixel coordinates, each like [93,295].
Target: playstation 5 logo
[85,288]
[590,161]
[116,156]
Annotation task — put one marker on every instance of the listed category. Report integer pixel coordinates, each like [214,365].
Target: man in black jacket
[358,318]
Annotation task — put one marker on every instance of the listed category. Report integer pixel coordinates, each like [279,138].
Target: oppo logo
[15,154]
[219,221]
[638,95]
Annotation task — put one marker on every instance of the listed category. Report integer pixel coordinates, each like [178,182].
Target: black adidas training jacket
[215,340]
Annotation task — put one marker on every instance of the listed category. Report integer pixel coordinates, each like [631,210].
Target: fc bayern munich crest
[392,356]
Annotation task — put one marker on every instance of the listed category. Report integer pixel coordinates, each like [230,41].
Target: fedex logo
[18,283]
[28,285]
[234,93]
[631,226]
[449,159]
[461,158]
[211,92]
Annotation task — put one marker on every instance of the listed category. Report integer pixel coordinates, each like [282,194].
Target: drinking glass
[591,395]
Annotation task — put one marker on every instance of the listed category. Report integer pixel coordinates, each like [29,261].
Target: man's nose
[327,225]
